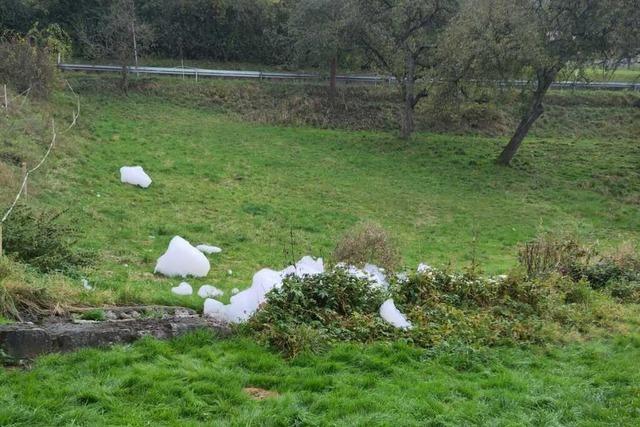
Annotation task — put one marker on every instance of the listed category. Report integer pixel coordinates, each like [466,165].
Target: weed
[95,314]
[367,242]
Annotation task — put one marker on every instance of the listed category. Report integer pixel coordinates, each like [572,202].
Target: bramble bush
[307,314]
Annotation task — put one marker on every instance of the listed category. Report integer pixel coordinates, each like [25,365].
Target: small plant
[548,254]
[367,242]
[95,314]
[627,292]
[43,241]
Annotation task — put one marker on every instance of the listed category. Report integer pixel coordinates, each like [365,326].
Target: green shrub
[43,240]
[95,314]
[307,311]
[310,313]
[367,242]
[579,293]
[628,292]
[552,254]
[27,62]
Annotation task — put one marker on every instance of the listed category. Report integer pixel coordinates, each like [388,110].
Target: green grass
[197,380]
[249,187]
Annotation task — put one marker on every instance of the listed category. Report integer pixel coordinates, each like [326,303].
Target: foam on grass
[208,249]
[183,289]
[135,175]
[181,259]
[209,291]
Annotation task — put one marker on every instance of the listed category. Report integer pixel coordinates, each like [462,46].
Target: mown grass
[198,380]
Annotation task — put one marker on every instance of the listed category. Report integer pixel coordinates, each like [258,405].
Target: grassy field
[259,190]
[197,380]
[268,194]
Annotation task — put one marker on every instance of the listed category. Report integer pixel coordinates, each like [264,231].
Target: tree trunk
[533,113]
[124,79]
[333,78]
[408,98]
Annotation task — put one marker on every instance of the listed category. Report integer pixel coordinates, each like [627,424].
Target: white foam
[423,268]
[86,285]
[182,259]
[245,303]
[134,175]
[183,289]
[208,249]
[392,315]
[209,291]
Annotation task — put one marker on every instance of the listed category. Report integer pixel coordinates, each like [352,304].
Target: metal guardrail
[270,75]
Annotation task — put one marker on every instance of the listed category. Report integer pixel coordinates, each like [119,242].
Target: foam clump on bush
[245,303]
[135,175]
[392,315]
[208,249]
[370,272]
[181,259]
[183,289]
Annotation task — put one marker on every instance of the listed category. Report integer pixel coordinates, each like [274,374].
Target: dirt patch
[256,393]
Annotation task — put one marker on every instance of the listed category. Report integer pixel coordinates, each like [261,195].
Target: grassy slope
[199,382]
[246,187]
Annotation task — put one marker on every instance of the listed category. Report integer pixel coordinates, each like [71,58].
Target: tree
[538,39]
[118,36]
[402,39]
[320,31]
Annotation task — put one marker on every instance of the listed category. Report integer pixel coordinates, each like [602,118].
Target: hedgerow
[465,308]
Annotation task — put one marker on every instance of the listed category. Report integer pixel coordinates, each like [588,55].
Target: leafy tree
[538,39]
[402,38]
[320,30]
[27,61]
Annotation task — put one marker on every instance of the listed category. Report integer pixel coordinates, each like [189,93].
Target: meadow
[269,193]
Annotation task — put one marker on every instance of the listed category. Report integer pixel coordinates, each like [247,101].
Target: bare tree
[118,37]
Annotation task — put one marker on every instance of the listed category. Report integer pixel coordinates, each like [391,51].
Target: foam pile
[392,315]
[181,259]
[209,291]
[208,249]
[135,175]
[183,289]
[245,303]
[370,272]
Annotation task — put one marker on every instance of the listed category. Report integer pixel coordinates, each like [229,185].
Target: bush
[548,254]
[367,242]
[621,265]
[444,308]
[27,62]
[308,311]
[43,241]
[628,292]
